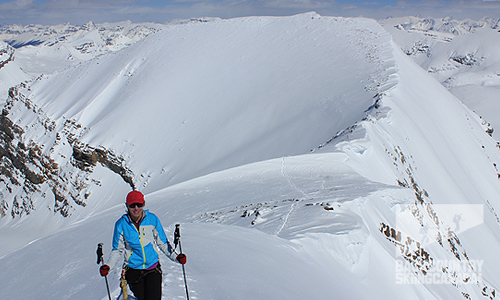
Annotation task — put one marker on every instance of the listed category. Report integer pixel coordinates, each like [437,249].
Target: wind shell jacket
[139,246]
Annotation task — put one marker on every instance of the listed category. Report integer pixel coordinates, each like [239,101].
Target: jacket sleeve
[118,247]
[163,243]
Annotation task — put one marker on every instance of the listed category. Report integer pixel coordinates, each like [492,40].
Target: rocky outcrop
[6,54]
[29,170]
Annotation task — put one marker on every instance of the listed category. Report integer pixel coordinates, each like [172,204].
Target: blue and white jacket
[139,246]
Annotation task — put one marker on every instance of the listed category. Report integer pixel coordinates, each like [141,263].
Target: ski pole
[177,240]
[101,260]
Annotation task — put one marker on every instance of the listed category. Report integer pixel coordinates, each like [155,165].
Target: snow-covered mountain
[115,35]
[46,49]
[306,157]
[462,55]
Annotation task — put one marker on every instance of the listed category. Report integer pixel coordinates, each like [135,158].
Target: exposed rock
[28,169]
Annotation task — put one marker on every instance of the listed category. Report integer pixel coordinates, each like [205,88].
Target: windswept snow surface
[221,94]
[217,120]
[462,55]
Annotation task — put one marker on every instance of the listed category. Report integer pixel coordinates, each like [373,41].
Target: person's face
[135,210]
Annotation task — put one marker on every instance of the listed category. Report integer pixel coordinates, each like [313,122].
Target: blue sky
[81,11]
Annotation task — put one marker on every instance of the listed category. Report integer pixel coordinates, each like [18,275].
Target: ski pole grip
[99,253]
[177,234]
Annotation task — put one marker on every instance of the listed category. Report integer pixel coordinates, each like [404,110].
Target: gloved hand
[104,270]
[181,258]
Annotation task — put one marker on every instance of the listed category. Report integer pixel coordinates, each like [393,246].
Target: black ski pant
[146,284]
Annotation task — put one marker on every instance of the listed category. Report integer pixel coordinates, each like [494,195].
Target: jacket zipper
[140,241]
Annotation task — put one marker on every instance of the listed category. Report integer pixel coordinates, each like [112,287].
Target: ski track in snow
[294,204]
[173,283]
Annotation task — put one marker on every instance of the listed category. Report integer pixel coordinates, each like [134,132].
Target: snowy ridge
[461,55]
[434,175]
[174,106]
[215,122]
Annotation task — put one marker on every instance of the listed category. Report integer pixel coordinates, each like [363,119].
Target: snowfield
[305,157]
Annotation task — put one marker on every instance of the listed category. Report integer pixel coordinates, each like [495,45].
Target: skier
[137,236]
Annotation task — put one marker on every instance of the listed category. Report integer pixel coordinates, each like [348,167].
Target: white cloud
[18,4]
[82,11]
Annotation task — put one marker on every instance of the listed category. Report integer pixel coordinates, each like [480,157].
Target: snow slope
[462,55]
[45,49]
[11,73]
[34,50]
[175,83]
[216,122]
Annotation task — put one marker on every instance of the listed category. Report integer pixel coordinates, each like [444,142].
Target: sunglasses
[134,205]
